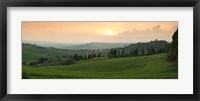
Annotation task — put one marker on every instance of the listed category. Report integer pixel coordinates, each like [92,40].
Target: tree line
[86,57]
[114,52]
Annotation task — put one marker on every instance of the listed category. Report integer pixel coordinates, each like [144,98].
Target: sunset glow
[85,32]
[109,33]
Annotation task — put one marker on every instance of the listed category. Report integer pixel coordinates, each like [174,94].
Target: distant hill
[51,44]
[78,46]
[97,45]
[32,52]
[161,44]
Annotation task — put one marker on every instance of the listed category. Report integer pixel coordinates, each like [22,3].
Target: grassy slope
[30,52]
[140,67]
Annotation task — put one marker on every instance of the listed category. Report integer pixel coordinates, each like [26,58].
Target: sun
[109,33]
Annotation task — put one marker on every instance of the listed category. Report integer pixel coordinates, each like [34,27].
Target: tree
[99,55]
[67,61]
[135,52]
[93,55]
[89,56]
[131,52]
[109,54]
[33,63]
[41,60]
[153,51]
[85,57]
[123,51]
[173,53]
[142,51]
[75,56]
[118,52]
[149,51]
[115,52]
[78,57]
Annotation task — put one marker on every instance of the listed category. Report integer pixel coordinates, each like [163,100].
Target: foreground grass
[139,67]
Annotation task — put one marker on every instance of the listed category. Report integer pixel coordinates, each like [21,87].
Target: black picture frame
[98,3]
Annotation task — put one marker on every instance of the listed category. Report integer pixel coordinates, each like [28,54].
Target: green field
[135,67]
[33,52]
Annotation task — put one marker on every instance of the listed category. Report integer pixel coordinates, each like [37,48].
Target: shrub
[68,61]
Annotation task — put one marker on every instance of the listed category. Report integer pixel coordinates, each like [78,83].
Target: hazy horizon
[98,32]
[32,42]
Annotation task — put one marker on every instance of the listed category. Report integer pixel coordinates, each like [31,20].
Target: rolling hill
[96,46]
[32,52]
[161,44]
[137,67]
[50,44]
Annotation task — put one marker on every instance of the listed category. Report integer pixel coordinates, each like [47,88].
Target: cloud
[150,33]
[147,31]
[156,28]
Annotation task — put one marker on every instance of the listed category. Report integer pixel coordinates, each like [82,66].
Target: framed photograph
[142,50]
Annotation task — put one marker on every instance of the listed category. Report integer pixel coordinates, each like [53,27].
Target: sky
[86,32]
